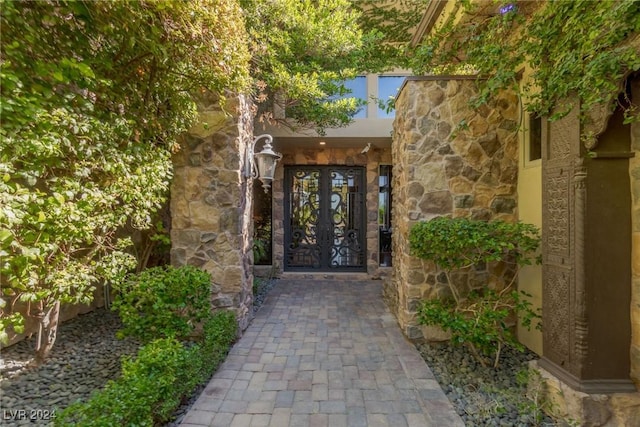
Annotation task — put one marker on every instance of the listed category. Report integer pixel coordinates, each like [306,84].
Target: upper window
[358,88]
[535,137]
[388,87]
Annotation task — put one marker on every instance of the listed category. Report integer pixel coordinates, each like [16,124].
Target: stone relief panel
[634,172]
[559,300]
[584,280]
[559,140]
[634,175]
[556,202]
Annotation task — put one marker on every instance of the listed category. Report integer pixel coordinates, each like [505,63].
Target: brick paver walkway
[323,353]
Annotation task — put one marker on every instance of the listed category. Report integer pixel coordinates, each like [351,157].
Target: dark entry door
[324,218]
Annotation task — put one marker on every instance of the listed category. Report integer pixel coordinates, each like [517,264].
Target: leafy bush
[482,320]
[454,243]
[484,317]
[163,302]
[152,386]
[220,332]
[260,248]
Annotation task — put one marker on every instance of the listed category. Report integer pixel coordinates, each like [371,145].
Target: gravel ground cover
[486,396]
[85,356]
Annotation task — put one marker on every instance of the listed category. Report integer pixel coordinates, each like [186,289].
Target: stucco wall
[530,211]
[449,160]
[332,156]
[210,203]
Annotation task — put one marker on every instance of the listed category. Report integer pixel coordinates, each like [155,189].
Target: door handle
[325,234]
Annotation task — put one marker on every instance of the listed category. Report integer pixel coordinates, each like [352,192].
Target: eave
[429,19]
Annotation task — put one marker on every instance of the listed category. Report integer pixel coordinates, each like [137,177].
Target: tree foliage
[573,47]
[389,25]
[93,97]
[302,52]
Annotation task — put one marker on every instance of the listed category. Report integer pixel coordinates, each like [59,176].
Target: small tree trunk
[477,354]
[497,359]
[147,248]
[452,287]
[47,332]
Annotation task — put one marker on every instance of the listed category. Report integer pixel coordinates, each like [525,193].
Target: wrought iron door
[325,225]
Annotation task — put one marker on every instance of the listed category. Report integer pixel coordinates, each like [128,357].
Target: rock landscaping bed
[486,396]
[85,356]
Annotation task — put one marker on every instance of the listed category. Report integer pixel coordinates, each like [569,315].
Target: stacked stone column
[210,203]
[449,160]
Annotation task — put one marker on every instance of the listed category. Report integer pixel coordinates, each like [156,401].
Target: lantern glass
[266,165]
[263,164]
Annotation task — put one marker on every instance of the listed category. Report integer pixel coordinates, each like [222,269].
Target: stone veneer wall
[332,156]
[442,171]
[211,204]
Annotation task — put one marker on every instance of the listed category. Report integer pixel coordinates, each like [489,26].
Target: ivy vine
[576,47]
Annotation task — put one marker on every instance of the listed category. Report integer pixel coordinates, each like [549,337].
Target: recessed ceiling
[282,143]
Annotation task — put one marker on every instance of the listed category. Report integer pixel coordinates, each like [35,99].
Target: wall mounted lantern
[264,167]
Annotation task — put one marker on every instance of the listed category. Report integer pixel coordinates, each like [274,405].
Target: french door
[325,226]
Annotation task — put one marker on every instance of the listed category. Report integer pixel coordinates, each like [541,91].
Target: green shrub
[483,318]
[260,250]
[454,243]
[166,302]
[163,302]
[153,384]
[220,331]
[150,388]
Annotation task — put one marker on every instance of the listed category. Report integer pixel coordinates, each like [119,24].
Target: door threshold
[310,275]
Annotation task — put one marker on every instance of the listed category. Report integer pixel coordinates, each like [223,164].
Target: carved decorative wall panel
[562,139]
[586,255]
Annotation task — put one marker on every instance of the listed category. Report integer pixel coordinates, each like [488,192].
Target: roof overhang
[429,19]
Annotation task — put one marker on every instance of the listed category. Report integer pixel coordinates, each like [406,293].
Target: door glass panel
[384,215]
[304,219]
[345,211]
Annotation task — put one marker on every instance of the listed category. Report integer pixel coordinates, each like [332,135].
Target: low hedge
[154,384]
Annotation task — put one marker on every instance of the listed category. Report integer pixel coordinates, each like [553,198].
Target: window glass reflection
[388,87]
